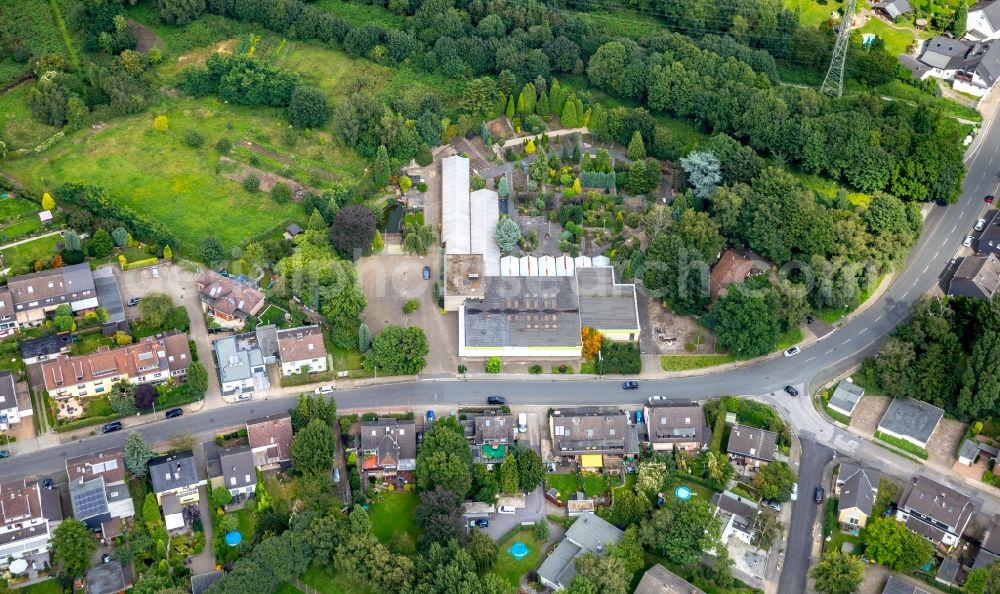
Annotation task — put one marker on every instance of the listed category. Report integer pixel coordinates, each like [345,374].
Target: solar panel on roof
[90,502]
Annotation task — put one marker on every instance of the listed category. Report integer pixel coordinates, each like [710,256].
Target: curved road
[944,229]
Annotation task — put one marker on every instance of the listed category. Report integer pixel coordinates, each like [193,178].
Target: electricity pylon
[833,84]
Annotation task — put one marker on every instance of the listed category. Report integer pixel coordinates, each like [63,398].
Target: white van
[506,509]
[522,422]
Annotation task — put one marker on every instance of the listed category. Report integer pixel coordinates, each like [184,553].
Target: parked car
[244,397]
[630,385]
[155,272]
[506,509]
[47,483]
[968,241]
[988,199]
[4,453]
[105,558]
[818,495]
[496,400]
[427,273]
[522,422]
[638,417]
[791,391]
[111,427]
[479,523]
[795,491]
[174,413]
[980,224]
[134,301]
[420,437]
[322,390]
[654,399]
[430,416]
[792,351]
[336,475]
[810,319]
[772,504]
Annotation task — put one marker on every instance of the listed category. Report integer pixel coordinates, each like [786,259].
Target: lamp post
[600,359]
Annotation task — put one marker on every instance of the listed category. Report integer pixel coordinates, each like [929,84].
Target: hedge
[902,444]
[95,200]
[719,428]
[141,263]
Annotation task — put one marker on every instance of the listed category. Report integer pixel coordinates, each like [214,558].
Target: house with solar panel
[98,492]
[492,438]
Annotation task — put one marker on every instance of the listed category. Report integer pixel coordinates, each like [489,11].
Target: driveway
[389,282]
[535,509]
[179,283]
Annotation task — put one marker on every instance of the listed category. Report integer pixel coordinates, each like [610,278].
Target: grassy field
[566,484]
[36,29]
[21,229]
[394,515]
[16,208]
[686,362]
[511,569]
[327,583]
[17,128]
[361,14]
[896,41]
[287,589]
[812,13]
[25,254]
[47,587]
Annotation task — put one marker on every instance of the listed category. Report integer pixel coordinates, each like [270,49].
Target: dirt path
[267,179]
[146,39]
[286,161]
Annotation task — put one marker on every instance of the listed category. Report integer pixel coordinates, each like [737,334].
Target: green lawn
[361,14]
[247,523]
[394,514]
[91,342]
[686,362]
[511,569]
[792,337]
[812,13]
[896,41]
[566,484]
[43,248]
[272,315]
[344,359]
[327,583]
[21,228]
[16,208]
[698,490]
[17,128]
[287,589]
[46,587]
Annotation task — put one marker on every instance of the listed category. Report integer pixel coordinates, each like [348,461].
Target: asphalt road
[804,511]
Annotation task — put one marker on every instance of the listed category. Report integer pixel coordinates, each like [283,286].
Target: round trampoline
[233,538]
[682,492]
[518,550]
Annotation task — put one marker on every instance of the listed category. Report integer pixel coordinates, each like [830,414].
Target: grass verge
[687,362]
[902,444]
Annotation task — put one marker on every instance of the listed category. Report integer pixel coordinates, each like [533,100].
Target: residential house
[493,435]
[109,297]
[8,320]
[106,578]
[983,21]
[588,534]
[270,440]
[896,585]
[675,425]
[14,403]
[971,66]
[892,9]
[989,239]
[388,448]
[735,514]
[734,267]
[239,474]
[44,348]
[241,365]
[910,419]
[845,397]
[750,448]
[34,295]
[98,492]
[593,437]
[989,550]
[175,482]
[228,300]
[935,511]
[301,349]
[856,488]
[658,580]
[29,515]
[971,449]
[152,360]
[977,277]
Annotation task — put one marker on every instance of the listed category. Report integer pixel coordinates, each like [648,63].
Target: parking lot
[389,281]
[180,284]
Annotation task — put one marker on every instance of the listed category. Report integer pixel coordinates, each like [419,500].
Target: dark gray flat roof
[108,295]
[524,311]
[106,578]
[911,417]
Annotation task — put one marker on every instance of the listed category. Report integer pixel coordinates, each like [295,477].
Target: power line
[833,84]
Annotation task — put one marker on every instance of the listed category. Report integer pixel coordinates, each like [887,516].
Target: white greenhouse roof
[485,212]
[455,208]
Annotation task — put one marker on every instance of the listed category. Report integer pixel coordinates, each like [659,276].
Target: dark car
[988,199]
[810,319]
[818,495]
[481,523]
[427,272]
[174,413]
[4,454]
[630,385]
[420,437]
[134,301]
[111,427]
[47,483]
[496,400]
[791,391]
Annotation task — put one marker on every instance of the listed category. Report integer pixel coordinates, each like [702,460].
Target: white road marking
[892,306]
[953,228]
[945,241]
[828,352]
[847,341]
[810,359]
[904,295]
[915,282]
[878,318]
[925,268]
[863,330]
[936,254]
